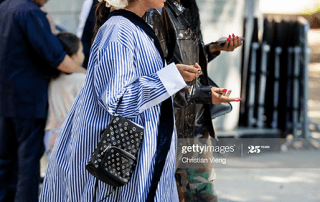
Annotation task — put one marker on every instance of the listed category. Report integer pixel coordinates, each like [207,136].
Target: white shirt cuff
[171,79]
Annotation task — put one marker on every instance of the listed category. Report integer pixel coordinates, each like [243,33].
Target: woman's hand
[189,72]
[231,44]
[220,95]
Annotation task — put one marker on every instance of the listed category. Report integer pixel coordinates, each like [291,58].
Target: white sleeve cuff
[171,79]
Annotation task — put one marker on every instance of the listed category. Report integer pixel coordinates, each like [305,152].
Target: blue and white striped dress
[123,62]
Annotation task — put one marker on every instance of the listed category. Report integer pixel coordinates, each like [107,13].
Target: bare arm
[68,66]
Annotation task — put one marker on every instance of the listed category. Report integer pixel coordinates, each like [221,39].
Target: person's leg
[182,182]
[8,160]
[201,179]
[196,184]
[201,185]
[30,134]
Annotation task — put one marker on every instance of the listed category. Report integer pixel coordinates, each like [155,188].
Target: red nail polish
[224,90]
[233,35]
[237,37]
[228,39]
[239,100]
[229,36]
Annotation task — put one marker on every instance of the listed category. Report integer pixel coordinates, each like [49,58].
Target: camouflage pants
[195,184]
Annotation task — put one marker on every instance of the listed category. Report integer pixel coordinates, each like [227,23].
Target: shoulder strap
[112,191]
[120,100]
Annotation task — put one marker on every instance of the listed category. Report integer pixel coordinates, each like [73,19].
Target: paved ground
[272,184]
[279,185]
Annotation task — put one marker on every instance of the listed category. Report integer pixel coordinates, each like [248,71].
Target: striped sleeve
[116,76]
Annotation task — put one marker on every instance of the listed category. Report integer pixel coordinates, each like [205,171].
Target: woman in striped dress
[125,61]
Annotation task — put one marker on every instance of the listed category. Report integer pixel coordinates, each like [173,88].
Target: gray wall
[219,18]
[65,13]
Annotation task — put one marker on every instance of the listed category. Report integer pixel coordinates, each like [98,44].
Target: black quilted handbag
[114,159]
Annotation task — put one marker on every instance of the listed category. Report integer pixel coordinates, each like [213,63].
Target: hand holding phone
[222,42]
[226,44]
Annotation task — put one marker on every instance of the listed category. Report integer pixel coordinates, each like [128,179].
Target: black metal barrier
[276,78]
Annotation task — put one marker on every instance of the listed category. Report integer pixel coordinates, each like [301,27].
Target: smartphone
[221,43]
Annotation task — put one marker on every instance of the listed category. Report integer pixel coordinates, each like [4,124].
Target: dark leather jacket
[181,41]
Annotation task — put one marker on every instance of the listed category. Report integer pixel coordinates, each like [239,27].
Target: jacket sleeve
[202,95]
[209,55]
[40,37]
[116,77]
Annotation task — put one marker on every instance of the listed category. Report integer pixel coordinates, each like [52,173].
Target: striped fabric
[123,62]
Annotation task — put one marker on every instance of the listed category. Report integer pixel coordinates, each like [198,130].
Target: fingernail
[237,37]
[229,36]
[239,100]
[233,35]
[228,39]
[224,90]
[199,70]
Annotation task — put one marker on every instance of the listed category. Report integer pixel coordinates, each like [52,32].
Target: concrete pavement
[271,184]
